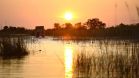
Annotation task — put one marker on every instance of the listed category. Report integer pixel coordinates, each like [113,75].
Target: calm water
[54,58]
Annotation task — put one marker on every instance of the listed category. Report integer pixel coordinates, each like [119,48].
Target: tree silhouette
[57,26]
[79,26]
[68,26]
[95,23]
[5,27]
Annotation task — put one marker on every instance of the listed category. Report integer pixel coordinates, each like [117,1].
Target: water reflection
[68,61]
[100,59]
[11,68]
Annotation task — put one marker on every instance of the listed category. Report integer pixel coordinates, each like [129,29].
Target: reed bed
[13,47]
[113,61]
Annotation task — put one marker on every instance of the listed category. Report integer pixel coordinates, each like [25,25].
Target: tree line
[94,28]
[13,30]
[91,28]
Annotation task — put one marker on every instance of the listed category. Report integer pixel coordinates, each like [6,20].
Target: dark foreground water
[75,59]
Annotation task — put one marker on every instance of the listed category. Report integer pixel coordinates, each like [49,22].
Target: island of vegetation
[93,28]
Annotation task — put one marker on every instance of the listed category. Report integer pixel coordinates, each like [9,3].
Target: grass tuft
[12,47]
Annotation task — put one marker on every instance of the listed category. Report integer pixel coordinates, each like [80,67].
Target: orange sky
[30,13]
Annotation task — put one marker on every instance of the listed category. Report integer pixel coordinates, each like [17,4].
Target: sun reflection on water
[68,61]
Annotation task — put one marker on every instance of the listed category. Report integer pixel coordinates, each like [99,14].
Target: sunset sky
[30,13]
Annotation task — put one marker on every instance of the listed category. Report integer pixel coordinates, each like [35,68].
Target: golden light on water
[68,61]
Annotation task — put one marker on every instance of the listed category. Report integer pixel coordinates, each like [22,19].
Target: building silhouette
[39,31]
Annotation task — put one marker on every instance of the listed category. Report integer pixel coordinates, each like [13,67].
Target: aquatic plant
[13,47]
[109,63]
[82,65]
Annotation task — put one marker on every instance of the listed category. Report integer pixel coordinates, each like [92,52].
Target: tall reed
[115,59]
[13,47]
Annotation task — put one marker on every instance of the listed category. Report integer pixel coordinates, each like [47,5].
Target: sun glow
[68,16]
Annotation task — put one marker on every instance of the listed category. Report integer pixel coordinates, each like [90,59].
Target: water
[55,58]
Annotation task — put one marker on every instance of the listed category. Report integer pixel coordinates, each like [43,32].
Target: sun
[68,16]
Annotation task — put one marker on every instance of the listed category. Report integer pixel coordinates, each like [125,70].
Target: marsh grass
[82,65]
[110,63]
[13,47]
